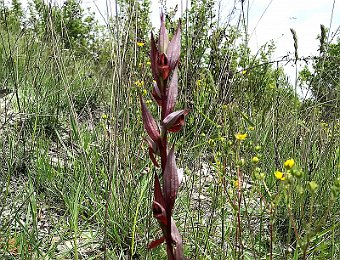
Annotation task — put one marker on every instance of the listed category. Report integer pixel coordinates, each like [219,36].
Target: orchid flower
[164,65]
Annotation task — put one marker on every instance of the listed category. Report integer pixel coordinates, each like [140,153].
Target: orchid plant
[164,65]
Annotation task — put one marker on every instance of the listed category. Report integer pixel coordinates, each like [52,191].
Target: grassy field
[261,165]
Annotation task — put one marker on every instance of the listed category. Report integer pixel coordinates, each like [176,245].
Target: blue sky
[268,20]
[305,16]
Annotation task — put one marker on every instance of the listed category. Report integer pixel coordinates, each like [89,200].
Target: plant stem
[239,199]
[271,233]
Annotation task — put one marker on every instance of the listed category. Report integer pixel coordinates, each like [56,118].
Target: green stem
[239,199]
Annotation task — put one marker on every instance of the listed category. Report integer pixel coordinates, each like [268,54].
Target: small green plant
[164,64]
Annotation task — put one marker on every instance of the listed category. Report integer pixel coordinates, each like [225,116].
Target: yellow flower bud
[257,170]
[297,173]
[255,160]
[258,148]
[198,82]
[222,139]
[262,175]
[313,186]
[211,142]
[337,182]
[241,162]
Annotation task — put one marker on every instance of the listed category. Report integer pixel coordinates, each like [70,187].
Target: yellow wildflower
[279,175]
[251,128]
[148,63]
[240,136]
[139,83]
[289,164]
[244,72]
[104,116]
[140,44]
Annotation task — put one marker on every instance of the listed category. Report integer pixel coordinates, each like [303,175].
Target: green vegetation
[261,166]
[324,79]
